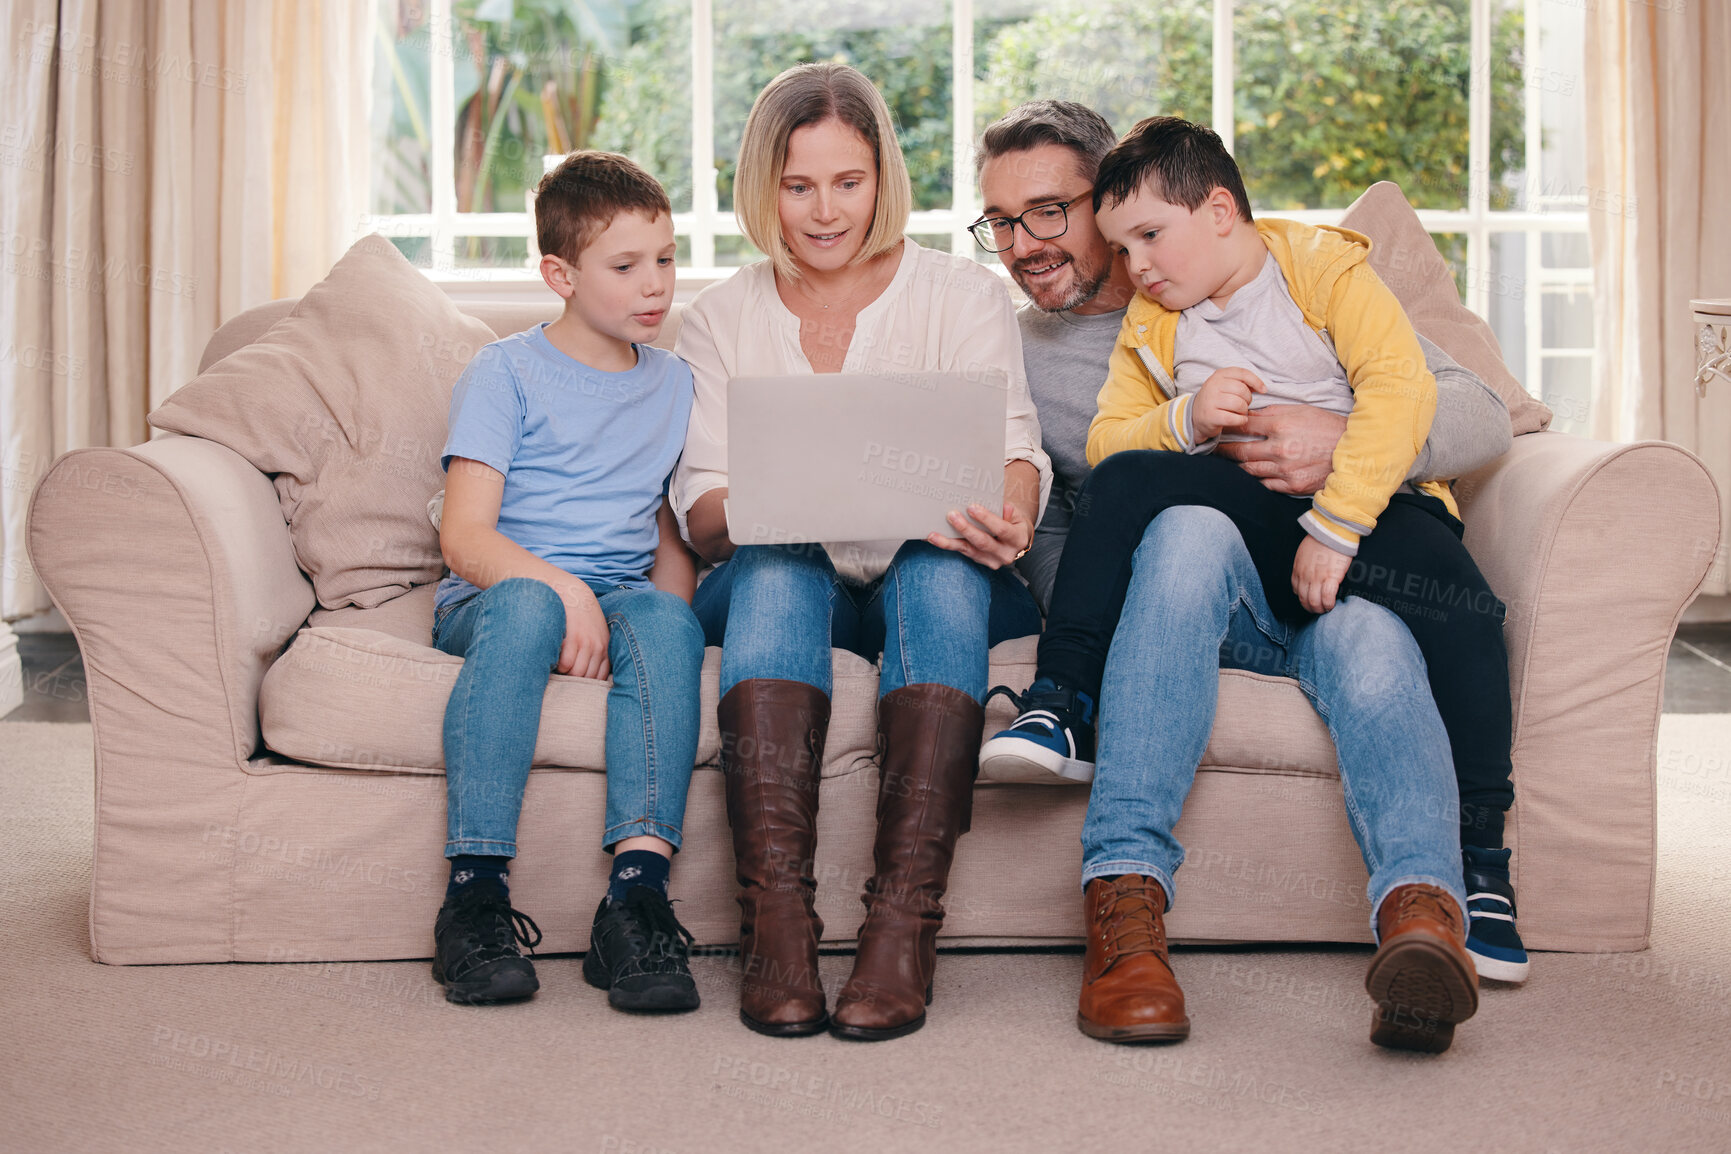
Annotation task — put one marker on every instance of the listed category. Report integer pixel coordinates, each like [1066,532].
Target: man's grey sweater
[1067,355]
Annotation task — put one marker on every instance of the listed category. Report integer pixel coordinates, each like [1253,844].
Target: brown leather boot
[772,735]
[1129,992]
[1421,977]
[928,751]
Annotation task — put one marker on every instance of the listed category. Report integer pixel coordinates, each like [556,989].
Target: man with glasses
[1036,169]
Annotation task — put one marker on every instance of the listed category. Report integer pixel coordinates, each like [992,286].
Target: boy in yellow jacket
[1234,315]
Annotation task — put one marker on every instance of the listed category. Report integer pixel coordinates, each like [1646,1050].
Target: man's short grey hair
[1062,122]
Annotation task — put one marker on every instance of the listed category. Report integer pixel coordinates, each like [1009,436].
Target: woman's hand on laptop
[991,540]
[996,541]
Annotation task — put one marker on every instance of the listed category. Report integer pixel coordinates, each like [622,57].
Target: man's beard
[1086,282]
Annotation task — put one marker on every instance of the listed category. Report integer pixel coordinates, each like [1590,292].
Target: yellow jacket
[1394,395]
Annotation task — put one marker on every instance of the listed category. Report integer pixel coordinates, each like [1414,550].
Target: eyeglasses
[1042,222]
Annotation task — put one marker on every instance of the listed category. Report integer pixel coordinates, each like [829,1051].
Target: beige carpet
[1613,1052]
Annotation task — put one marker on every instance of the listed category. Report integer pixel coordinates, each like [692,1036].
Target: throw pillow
[344,402]
[1406,258]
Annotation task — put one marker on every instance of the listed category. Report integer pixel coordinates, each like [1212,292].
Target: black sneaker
[640,954]
[475,952]
[1492,940]
[1053,734]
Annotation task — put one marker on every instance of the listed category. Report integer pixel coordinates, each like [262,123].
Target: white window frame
[705,222]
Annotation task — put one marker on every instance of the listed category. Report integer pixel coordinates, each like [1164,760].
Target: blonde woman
[823,189]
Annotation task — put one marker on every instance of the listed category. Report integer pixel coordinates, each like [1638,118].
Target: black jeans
[1414,564]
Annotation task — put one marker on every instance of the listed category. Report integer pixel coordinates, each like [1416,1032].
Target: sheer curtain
[164,165]
[1658,89]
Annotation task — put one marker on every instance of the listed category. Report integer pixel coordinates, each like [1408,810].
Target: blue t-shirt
[586,454]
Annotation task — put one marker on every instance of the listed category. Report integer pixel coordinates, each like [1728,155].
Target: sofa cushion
[363,699]
[1406,258]
[344,403]
[347,698]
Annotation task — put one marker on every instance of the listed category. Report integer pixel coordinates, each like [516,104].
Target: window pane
[1512,83]
[492,252]
[902,45]
[646,97]
[1568,389]
[1126,59]
[1332,96]
[734,252]
[980,256]
[1507,285]
[418,250]
[1567,250]
[401,174]
[528,78]
[1558,85]
[1568,319]
[1453,246]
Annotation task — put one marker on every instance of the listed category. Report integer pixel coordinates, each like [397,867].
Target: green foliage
[648,105]
[1126,59]
[1331,96]
[528,77]
[911,66]
[647,111]
[400,169]
[1334,97]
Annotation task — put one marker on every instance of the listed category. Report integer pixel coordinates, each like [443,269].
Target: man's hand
[1317,572]
[584,651]
[991,540]
[1223,402]
[1296,454]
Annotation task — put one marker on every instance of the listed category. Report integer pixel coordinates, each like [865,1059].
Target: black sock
[637,867]
[469,868]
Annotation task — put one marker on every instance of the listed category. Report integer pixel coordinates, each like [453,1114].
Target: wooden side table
[1712,342]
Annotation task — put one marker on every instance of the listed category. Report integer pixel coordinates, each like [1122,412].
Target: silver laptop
[861,457]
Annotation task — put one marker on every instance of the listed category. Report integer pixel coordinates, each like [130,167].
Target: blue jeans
[509,636]
[1196,603]
[777,610]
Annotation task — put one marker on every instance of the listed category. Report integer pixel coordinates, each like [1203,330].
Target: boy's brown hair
[577,201]
[1179,161]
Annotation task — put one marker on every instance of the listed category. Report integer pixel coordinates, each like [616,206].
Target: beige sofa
[269,774]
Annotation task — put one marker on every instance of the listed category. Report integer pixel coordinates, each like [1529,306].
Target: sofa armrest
[173,565]
[1596,549]
[1594,546]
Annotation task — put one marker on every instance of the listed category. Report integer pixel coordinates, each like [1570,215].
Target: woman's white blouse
[940,313]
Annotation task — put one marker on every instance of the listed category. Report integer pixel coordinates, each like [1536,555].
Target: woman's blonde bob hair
[807,94]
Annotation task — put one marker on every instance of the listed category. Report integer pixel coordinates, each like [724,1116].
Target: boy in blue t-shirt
[565,558]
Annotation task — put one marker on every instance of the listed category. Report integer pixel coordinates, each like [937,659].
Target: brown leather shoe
[1129,992]
[772,735]
[929,751]
[1421,977]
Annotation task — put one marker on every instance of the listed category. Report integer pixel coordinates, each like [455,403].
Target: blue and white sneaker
[1054,733]
[1492,940]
